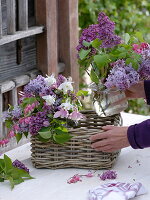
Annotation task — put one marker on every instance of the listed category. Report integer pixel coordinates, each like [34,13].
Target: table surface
[52,184]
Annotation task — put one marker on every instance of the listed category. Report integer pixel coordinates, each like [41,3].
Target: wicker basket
[77,152]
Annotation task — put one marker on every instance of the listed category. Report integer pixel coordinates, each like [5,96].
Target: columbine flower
[67,106]
[61,113]
[50,100]
[66,86]
[76,116]
[50,80]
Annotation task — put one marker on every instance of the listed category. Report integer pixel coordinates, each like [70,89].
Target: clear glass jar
[109,102]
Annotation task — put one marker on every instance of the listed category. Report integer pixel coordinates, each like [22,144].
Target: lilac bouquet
[46,107]
[112,61]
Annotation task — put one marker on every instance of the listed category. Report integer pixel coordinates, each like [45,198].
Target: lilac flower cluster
[104,31]
[20,165]
[37,122]
[108,175]
[144,69]
[121,76]
[35,86]
[16,112]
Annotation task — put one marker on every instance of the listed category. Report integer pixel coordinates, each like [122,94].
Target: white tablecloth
[52,184]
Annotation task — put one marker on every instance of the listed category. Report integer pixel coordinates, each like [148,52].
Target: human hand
[113,138]
[136,91]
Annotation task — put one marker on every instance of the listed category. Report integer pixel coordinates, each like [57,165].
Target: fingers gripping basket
[77,152]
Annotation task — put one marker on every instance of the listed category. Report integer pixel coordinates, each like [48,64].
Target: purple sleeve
[139,134]
[147,90]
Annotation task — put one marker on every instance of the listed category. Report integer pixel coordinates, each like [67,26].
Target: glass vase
[109,102]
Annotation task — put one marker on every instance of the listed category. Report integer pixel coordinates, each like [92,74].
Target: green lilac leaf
[83,53]
[7,162]
[61,130]
[86,44]
[26,134]
[8,123]
[139,35]
[12,184]
[82,93]
[18,181]
[94,77]
[18,137]
[126,38]
[96,43]
[61,138]
[45,135]
[2,164]
[101,60]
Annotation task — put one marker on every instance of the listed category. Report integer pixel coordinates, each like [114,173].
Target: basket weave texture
[77,152]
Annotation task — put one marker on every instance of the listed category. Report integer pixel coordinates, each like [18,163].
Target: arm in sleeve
[147,90]
[139,135]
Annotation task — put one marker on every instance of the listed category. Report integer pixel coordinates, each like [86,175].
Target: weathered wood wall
[17,57]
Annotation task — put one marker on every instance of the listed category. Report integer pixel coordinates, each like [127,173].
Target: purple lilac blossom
[35,86]
[36,122]
[104,31]
[60,79]
[146,53]
[121,76]
[144,69]
[89,34]
[16,112]
[20,165]
[6,115]
[108,175]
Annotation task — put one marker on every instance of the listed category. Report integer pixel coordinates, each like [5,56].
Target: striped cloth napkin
[116,191]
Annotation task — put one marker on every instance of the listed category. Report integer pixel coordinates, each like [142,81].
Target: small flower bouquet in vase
[49,111]
[113,64]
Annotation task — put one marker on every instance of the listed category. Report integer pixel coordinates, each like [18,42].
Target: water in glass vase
[109,102]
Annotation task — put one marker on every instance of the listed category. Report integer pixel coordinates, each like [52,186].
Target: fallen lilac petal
[108,175]
[74,179]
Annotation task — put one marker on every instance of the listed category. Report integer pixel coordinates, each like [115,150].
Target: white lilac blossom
[50,80]
[50,100]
